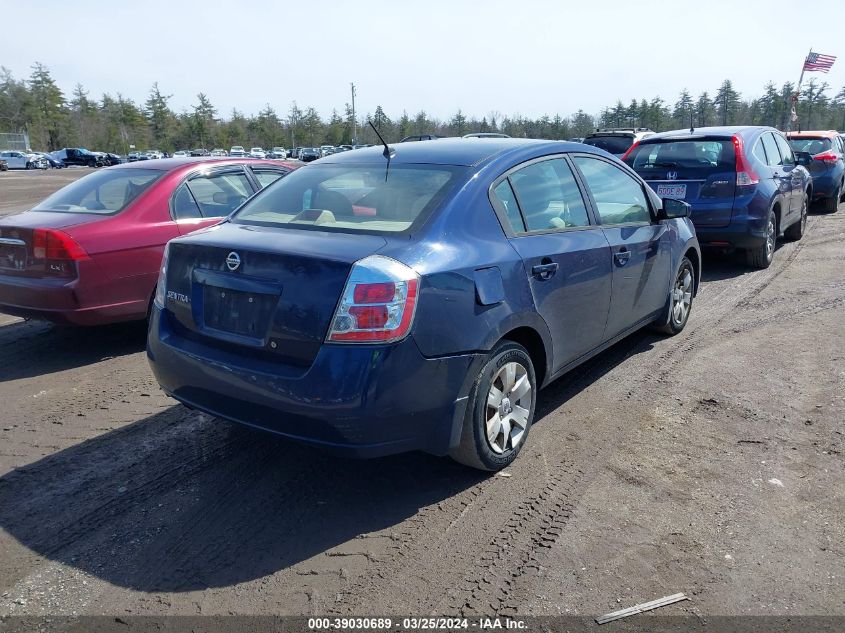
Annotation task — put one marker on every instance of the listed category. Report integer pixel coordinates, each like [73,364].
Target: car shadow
[181,501]
[35,348]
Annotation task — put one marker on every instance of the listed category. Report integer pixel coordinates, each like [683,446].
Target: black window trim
[204,172]
[625,169]
[502,216]
[251,169]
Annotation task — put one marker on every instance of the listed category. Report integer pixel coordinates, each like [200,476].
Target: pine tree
[160,118]
[48,112]
[726,102]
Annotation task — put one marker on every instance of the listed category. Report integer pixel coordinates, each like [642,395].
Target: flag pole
[797,93]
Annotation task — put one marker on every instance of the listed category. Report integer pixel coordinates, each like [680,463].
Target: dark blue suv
[825,154]
[744,184]
[417,297]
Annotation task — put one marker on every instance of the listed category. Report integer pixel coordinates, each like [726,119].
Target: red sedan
[90,253]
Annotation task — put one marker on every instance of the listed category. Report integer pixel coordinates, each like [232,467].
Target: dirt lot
[710,463]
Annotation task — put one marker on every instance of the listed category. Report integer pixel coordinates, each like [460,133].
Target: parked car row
[373,303]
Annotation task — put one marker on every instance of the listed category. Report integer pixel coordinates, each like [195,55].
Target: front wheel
[500,411]
[680,300]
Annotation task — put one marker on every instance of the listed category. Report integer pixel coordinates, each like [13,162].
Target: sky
[527,57]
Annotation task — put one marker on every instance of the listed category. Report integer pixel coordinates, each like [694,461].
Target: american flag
[818,62]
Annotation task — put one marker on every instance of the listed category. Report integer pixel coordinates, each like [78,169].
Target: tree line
[113,122]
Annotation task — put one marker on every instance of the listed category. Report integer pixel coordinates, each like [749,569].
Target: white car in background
[257,152]
[218,152]
[23,160]
[237,151]
[181,154]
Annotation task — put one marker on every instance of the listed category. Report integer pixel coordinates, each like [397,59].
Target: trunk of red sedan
[262,291]
[37,244]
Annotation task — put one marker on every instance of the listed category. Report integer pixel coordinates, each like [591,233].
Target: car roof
[451,151]
[718,130]
[171,164]
[814,133]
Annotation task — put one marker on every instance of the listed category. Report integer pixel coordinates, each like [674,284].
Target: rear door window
[267,176]
[772,152]
[218,194]
[549,196]
[785,150]
[507,201]
[619,199]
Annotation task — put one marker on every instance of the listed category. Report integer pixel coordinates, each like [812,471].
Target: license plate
[243,313]
[672,191]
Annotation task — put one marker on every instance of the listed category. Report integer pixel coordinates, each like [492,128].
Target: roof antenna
[691,122]
[388,153]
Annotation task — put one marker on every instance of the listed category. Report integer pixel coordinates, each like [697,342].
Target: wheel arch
[695,257]
[534,344]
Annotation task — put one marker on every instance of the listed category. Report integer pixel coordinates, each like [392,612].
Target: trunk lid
[701,172]
[16,247]
[266,291]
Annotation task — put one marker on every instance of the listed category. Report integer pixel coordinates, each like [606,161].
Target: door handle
[545,269]
[622,256]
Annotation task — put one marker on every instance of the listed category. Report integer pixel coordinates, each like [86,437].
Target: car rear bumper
[61,301]
[825,185]
[360,401]
[746,229]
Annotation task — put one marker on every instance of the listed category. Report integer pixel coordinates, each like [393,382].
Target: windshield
[704,156]
[360,198]
[104,192]
[612,144]
[815,145]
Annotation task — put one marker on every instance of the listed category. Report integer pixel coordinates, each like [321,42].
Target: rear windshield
[705,156]
[104,192]
[813,145]
[361,198]
[612,144]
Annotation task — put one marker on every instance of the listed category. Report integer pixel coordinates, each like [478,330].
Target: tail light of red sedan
[54,245]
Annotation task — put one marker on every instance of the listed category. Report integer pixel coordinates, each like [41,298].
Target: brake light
[744,174]
[161,284]
[826,157]
[378,302]
[630,150]
[55,245]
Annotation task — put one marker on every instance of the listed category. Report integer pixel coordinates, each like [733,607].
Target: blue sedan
[417,297]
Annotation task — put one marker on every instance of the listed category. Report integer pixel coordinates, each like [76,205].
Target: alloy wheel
[770,239]
[508,407]
[682,297]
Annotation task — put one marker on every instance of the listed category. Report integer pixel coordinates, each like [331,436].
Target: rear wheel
[762,256]
[500,410]
[796,231]
[830,205]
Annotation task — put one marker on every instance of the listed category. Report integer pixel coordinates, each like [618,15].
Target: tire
[679,305]
[507,364]
[762,256]
[830,205]
[30,166]
[796,231]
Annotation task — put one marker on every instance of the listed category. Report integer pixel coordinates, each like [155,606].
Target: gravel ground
[709,463]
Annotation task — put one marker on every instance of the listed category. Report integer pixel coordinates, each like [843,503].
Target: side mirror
[803,158]
[674,209]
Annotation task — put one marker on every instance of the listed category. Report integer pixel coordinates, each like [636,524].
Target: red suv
[90,253]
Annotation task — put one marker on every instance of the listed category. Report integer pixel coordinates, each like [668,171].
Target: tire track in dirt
[515,536]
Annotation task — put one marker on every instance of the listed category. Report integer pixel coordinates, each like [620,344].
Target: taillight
[378,302]
[744,174]
[55,245]
[630,150]
[161,289]
[826,157]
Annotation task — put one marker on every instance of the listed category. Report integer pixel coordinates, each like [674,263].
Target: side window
[549,196]
[184,206]
[504,194]
[772,152]
[267,176]
[785,150]
[219,194]
[619,198]
[759,151]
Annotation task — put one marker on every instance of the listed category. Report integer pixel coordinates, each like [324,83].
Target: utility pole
[354,121]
